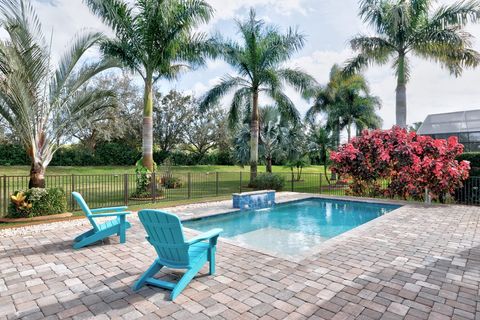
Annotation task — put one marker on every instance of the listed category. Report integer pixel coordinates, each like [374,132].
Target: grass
[80,214]
[92,170]
[112,186]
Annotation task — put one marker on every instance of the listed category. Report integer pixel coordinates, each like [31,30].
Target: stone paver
[414,263]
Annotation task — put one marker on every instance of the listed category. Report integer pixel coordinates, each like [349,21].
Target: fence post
[240,181]
[189,185]
[320,188]
[428,200]
[292,181]
[216,183]
[153,182]
[125,189]
[5,200]
[72,183]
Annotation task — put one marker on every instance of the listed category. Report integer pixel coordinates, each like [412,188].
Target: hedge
[12,154]
[110,153]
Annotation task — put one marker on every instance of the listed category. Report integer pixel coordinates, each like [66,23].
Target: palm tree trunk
[147,131]
[349,133]
[37,175]
[325,172]
[401,94]
[254,133]
[269,165]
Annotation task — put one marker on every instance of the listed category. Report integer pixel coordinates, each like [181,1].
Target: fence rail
[117,189]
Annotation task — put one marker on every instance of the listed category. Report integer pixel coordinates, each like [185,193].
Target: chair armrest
[214,233]
[115,214]
[110,209]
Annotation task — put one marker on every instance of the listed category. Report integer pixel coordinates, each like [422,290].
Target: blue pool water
[294,227]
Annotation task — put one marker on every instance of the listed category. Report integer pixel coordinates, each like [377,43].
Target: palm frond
[226,84]
[71,58]
[458,14]
[240,102]
[285,106]
[115,13]
[298,79]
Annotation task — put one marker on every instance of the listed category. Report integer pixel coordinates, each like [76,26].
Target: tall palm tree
[346,101]
[43,103]
[412,27]
[156,39]
[259,63]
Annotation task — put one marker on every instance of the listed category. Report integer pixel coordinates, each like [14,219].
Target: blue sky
[327,24]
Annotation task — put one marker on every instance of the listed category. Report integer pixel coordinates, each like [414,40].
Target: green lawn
[111,186]
[24,170]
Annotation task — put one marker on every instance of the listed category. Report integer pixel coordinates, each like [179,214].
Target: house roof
[452,122]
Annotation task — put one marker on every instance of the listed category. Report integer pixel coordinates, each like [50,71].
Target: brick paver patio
[413,263]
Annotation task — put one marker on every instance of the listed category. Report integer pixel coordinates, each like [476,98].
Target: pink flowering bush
[407,162]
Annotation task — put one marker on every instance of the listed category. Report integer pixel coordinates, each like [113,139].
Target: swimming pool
[295,227]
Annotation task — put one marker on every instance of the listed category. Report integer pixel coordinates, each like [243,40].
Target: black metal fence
[117,189]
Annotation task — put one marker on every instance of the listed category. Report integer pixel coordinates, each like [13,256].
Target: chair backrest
[165,233]
[83,205]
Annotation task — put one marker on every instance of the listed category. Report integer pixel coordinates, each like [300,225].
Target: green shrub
[37,202]
[13,155]
[171,182]
[73,155]
[268,181]
[116,154]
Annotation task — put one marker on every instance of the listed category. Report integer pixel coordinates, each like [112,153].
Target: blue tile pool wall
[294,227]
[254,201]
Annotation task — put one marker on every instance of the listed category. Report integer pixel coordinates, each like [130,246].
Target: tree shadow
[53,247]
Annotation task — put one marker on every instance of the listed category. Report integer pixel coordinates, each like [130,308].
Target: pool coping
[320,247]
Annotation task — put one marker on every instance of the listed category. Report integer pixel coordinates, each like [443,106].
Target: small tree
[172,115]
[205,131]
[121,122]
[410,163]
[44,104]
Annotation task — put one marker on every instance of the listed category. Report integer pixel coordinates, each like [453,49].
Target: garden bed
[38,218]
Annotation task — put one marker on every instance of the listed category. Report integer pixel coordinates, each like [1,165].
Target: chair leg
[97,236]
[211,260]
[185,280]
[84,235]
[122,229]
[151,271]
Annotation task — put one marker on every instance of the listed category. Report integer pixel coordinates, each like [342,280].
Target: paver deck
[414,263]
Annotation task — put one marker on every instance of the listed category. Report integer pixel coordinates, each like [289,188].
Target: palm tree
[272,143]
[356,107]
[259,61]
[412,27]
[156,39]
[271,129]
[44,104]
[320,141]
[346,100]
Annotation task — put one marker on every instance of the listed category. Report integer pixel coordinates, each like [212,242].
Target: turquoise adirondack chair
[118,226]
[165,234]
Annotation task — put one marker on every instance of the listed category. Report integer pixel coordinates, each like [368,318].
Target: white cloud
[227,9]
[65,19]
